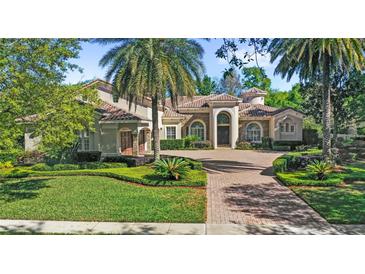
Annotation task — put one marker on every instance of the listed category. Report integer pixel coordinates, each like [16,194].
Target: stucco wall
[243,124]
[298,122]
[197,116]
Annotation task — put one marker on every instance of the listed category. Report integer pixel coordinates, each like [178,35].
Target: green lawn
[93,198]
[339,205]
[353,172]
[142,175]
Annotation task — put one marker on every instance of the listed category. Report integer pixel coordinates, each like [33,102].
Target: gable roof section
[253,91]
[112,113]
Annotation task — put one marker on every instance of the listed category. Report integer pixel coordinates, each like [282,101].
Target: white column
[234,127]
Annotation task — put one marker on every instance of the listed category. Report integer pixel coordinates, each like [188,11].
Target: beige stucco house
[220,119]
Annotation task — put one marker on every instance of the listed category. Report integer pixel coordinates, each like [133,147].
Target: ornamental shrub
[243,145]
[87,156]
[65,167]
[189,140]
[171,168]
[41,167]
[172,144]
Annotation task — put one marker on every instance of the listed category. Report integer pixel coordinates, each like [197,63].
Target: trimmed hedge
[304,179]
[150,181]
[130,161]
[9,156]
[92,165]
[291,144]
[281,148]
[87,156]
[280,165]
[202,145]
[172,144]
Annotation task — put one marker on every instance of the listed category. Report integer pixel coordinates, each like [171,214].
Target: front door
[223,135]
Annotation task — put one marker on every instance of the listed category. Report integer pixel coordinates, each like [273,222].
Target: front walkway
[66,227]
[242,190]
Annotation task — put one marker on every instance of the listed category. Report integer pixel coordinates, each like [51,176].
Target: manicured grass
[86,198]
[351,173]
[338,205]
[142,175]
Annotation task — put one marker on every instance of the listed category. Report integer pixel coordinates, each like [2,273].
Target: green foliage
[202,145]
[267,142]
[188,140]
[172,144]
[171,168]
[280,165]
[284,99]
[338,205]
[31,74]
[6,165]
[10,155]
[244,145]
[319,168]
[206,86]
[144,175]
[255,77]
[157,68]
[87,156]
[41,167]
[195,165]
[65,167]
[291,144]
[31,157]
[230,83]
[83,198]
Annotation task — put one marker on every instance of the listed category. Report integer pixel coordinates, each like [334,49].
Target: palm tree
[153,68]
[318,57]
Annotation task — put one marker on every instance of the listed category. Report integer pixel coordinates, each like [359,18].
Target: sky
[91,54]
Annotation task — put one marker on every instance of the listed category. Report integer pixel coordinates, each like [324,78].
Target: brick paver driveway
[242,190]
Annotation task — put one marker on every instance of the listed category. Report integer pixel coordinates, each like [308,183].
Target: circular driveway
[242,190]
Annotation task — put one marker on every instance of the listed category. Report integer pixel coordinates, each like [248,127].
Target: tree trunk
[155,130]
[326,118]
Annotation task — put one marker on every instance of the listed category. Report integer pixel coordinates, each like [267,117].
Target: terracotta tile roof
[250,110]
[112,113]
[253,91]
[201,101]
[169,113]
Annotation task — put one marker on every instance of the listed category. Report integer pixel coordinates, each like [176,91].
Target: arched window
[253,132]
[223,119]
[197,128]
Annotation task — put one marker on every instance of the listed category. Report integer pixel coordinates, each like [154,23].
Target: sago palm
[154,68]
[318,57]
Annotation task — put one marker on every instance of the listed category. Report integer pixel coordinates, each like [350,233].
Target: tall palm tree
[318,57]
[153,68]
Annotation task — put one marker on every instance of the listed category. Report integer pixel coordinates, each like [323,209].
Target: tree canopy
[32,72]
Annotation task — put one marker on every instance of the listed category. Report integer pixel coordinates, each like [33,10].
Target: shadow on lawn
[24,189]
[219,166]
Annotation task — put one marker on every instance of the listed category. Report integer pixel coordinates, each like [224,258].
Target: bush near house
[172,144]
[129,160]
[267,142]
[91,165]
[87,156]
[11,156]
[244,145]
[291,144]
[202,145]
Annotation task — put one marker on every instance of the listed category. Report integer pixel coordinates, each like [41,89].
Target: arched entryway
[223,129]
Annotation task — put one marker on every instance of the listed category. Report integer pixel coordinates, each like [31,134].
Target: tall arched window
[253,132]
[197,128]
